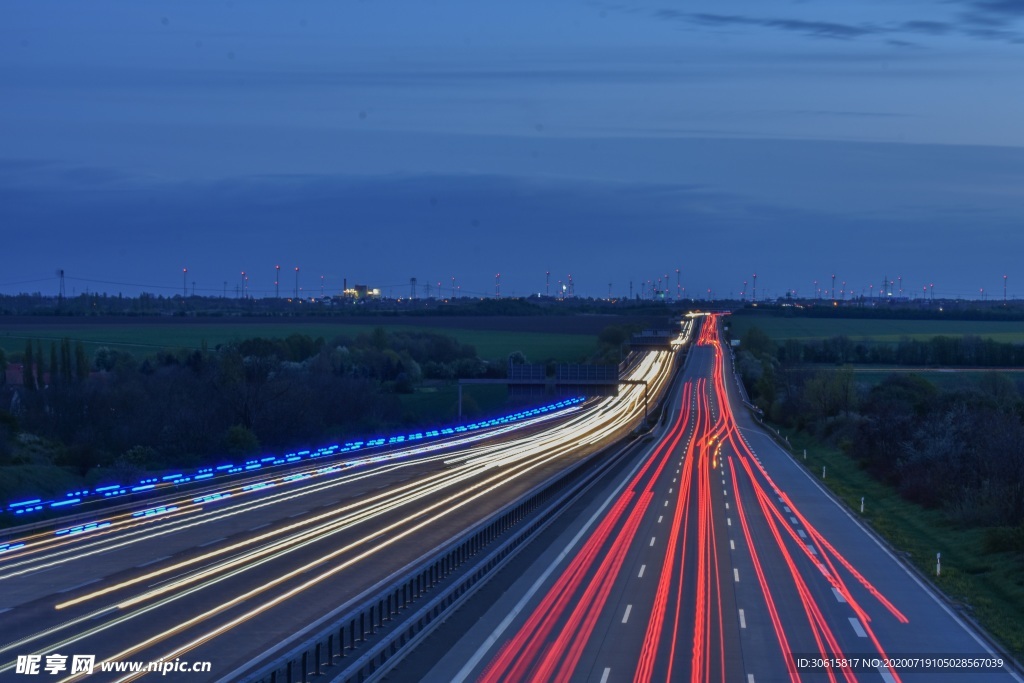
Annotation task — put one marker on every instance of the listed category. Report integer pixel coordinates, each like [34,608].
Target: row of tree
[939,351]
[183,407]
[959,448]
[63,367]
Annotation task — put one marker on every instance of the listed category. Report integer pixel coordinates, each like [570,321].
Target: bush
[240,441]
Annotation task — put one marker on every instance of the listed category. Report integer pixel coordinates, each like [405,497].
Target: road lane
[721,558]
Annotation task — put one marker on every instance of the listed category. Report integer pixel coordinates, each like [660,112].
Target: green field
[781,328]
[142,338]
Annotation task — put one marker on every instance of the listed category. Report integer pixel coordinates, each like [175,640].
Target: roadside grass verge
[987,586]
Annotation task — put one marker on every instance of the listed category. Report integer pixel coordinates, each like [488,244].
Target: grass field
[781,328]
[142,338]
[987,586]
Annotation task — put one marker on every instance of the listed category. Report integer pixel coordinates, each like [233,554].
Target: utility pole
[547,283]
[296,282]
[1004,290]
[833,286]
[497,286]
[412,288]
[679,291]
[277,282]
[754,297]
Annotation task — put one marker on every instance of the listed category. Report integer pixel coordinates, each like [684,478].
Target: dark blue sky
[378,141]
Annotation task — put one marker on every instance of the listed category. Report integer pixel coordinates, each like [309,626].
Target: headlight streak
[37,543]
[409,495]
[243,562]
[99,545]
[496,481]
[151,483]
[499,480]
[513,464]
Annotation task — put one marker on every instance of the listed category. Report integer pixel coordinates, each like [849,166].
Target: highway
[713,557]
[235,576]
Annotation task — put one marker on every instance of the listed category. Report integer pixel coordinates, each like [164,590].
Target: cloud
[931,28]
[1009,8]
[996,15]
[817,29]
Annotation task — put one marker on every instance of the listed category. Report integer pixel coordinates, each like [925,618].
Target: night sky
[382,140]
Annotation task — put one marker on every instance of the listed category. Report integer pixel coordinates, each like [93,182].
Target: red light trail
[686,612]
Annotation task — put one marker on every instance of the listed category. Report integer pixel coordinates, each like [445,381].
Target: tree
[379,338]
[65,360]
[757,342]
[613,335]
[765,386]
[40,370]
[830,392]
[53,363]
[81,362]
[517,358]
[27,378]
[240,441]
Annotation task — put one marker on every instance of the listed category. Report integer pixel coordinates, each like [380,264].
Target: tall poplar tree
[27,376]
[53,363]
[65,360]
[81,362]
[40,369]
